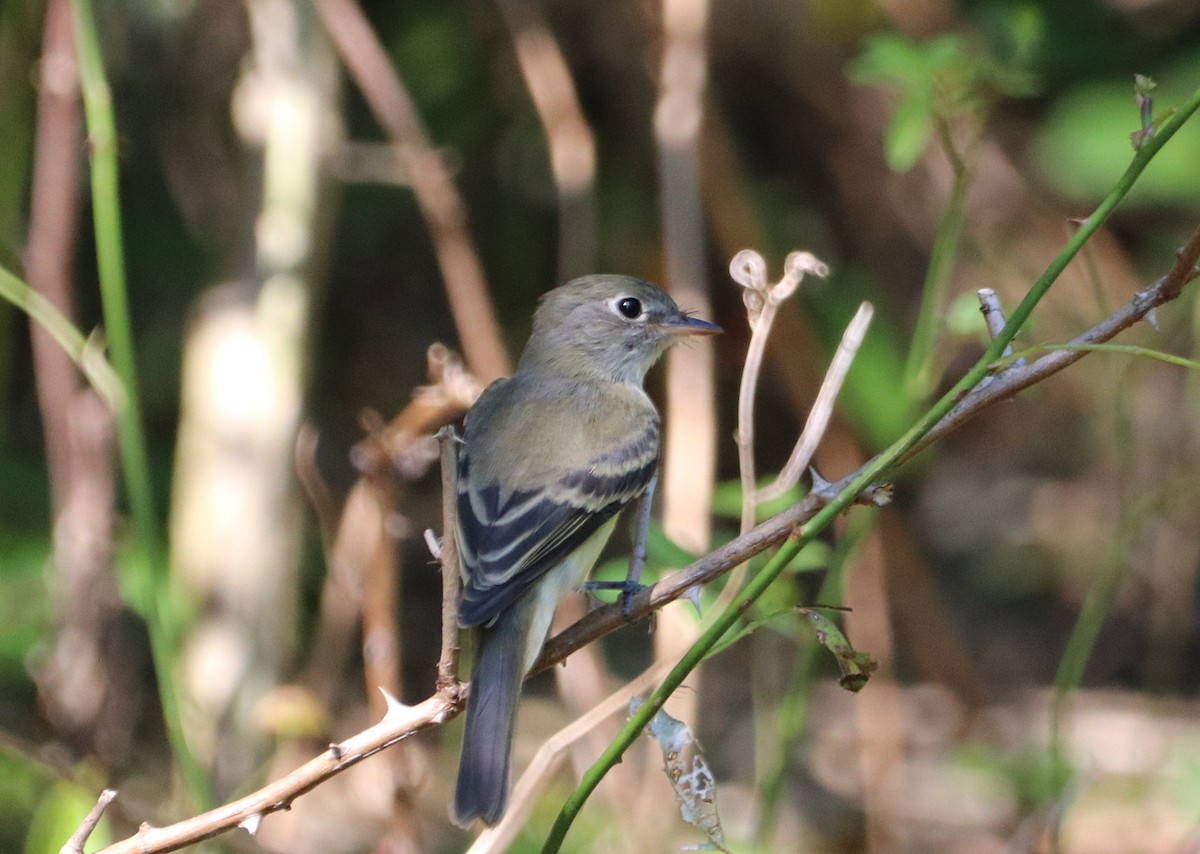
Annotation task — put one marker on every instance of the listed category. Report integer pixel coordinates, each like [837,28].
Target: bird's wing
[510,540]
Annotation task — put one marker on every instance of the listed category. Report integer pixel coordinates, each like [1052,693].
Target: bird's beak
[684,325]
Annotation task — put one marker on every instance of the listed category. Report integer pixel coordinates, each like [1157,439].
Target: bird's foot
[628,588]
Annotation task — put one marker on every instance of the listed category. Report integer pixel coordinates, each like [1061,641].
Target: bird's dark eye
[629,307]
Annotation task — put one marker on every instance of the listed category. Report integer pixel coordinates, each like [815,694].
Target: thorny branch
[398,723]
[402,721]
[1004,385]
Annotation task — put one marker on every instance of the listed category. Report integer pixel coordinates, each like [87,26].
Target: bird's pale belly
[565,578]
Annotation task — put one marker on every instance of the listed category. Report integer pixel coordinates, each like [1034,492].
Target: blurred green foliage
[1078,153]
[58,815]
[941,79]
[1053,80]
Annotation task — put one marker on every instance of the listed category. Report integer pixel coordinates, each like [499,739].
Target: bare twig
[399,723]
[762,302]
[53,210]
[436,195]
[402,721]
[1184,270]
[993,314]
[450,392]
[1017,378]
[447,668]
[689,458]
[606,619]
[568,136]
[822,408]
[80,837]
[550,756]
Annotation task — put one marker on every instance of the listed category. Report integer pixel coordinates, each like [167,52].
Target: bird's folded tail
[484,768]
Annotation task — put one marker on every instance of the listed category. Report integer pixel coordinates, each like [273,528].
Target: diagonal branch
[449,700]
[439,201]
[775,530]
[398,723]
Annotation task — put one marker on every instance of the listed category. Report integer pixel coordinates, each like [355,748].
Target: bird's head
[606,327]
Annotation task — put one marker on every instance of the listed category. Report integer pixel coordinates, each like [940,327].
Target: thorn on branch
[251,823]
[693,596]
[394,707]
[433,544]
[820,486]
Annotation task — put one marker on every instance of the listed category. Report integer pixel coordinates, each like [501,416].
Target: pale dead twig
[403,721]
[399,722]
[689,460]
[822,408]
[1018,377]
[364,524]
[79,838]
[53,211]
[1005,384]
[447,667]
[443,209]
[572,146]
[552,753]
[993,314]
[762,302]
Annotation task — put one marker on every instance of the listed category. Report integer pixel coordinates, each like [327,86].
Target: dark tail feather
[484,768]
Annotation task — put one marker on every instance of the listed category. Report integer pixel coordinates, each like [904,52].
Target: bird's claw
[629,589]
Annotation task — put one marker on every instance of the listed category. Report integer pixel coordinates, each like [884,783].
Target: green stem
[150,594]
[872,472]
[918,369]
[1127,349]
[1079,648]
[793,710]
[1101,594]
[89,360]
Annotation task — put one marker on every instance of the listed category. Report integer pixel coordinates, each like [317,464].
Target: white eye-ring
[629,308]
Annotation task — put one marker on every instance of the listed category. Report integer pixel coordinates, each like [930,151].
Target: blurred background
[315,194]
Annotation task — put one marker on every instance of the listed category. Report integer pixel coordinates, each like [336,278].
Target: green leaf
[908,131]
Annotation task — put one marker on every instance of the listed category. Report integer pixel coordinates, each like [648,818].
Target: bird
[549,457]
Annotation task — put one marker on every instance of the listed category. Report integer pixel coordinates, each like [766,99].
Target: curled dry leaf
[856,667]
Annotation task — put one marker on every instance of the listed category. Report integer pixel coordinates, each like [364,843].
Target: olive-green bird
[549,457]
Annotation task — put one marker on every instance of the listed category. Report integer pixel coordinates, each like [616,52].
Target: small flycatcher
[550,456]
